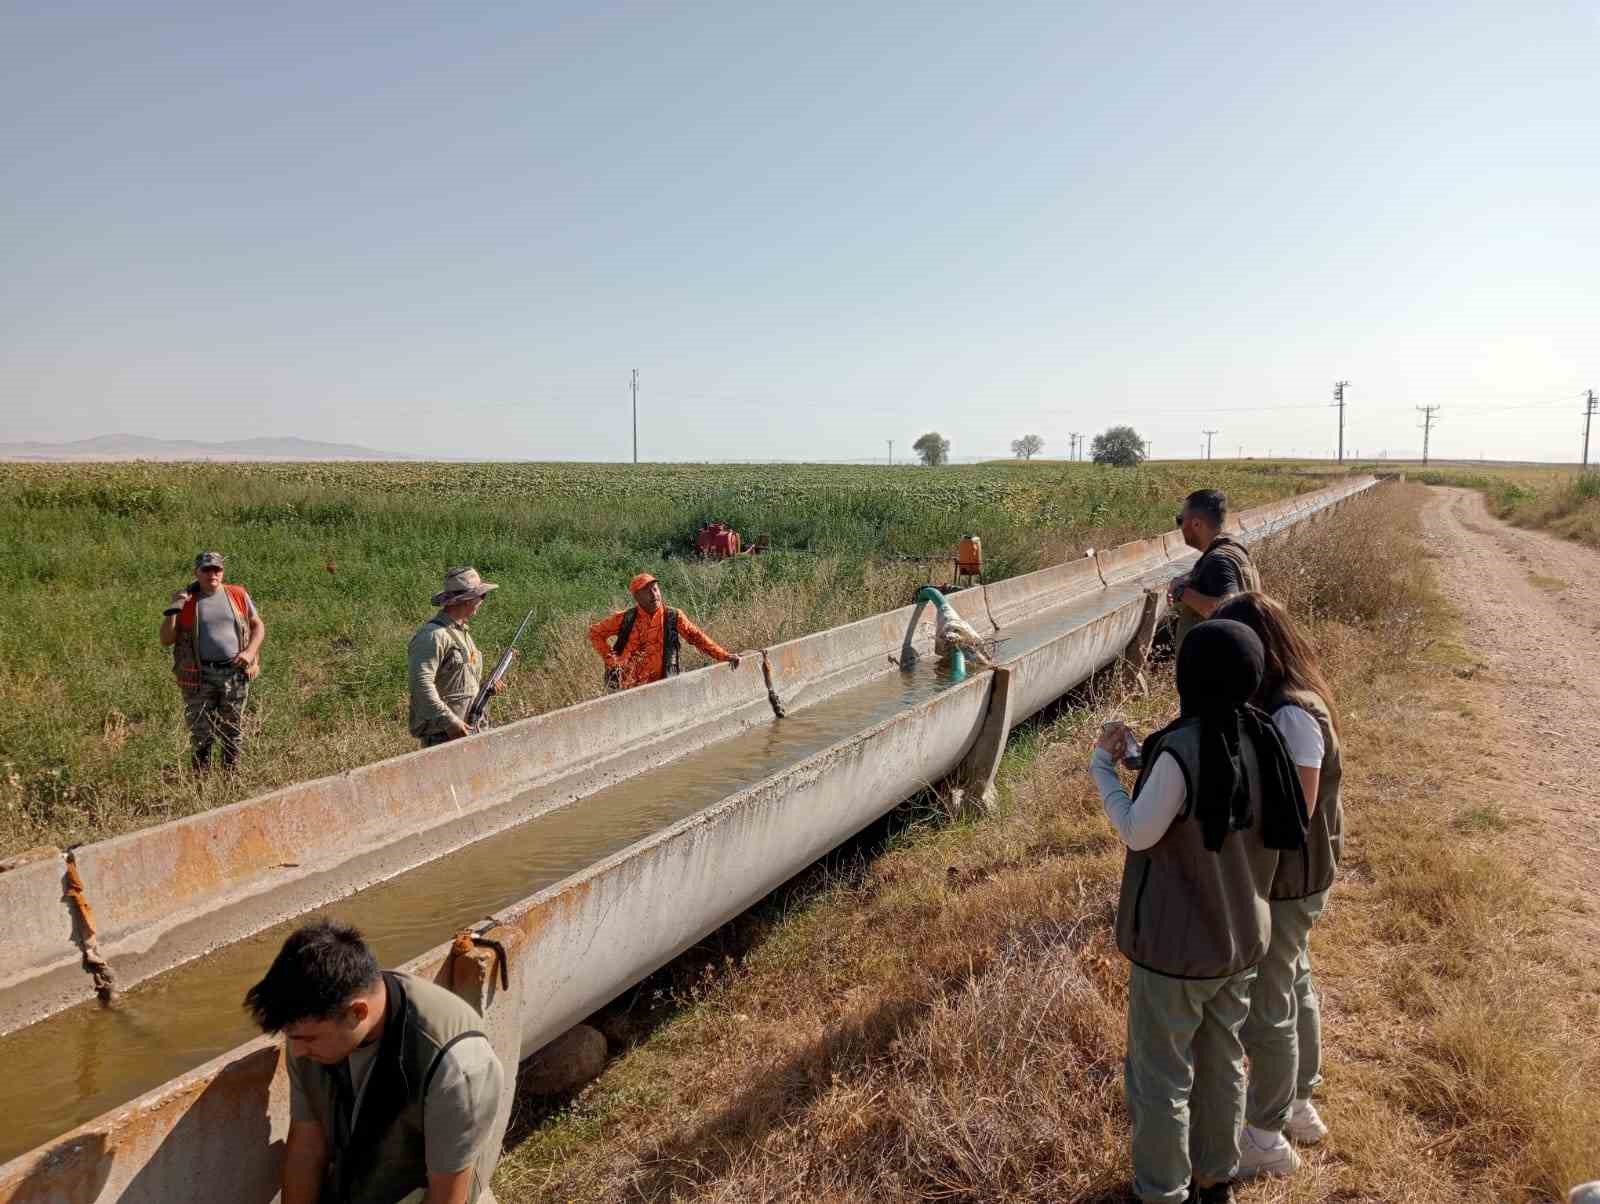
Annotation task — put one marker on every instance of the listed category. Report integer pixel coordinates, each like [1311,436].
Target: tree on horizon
[1120,445]
[933,447]
[1027,447]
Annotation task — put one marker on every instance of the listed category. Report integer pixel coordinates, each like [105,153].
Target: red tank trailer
[718,541]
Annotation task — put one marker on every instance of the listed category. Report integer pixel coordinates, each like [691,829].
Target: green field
[342,559]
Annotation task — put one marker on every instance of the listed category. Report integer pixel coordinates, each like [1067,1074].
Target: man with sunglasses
[1224,567]
[215,635]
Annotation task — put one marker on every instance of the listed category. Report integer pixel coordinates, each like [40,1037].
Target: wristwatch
[172,610]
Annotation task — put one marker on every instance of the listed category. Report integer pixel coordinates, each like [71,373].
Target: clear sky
[812,227]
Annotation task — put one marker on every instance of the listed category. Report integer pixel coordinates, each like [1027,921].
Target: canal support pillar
[976,776]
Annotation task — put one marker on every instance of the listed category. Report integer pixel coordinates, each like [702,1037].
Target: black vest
[1185,911]
[381,1158]
[669,639]
[1303,872]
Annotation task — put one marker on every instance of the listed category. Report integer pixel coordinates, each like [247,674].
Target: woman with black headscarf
[1215,803]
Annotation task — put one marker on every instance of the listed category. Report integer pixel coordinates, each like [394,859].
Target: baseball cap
[208,560]
[640,582]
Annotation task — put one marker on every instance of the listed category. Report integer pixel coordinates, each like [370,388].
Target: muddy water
[1015,641]
[70,1068]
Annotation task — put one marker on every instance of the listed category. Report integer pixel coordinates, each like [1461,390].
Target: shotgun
[480,703]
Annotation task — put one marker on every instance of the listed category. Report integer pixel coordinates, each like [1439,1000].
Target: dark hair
[1212,503]
[321,967]
[1290,663]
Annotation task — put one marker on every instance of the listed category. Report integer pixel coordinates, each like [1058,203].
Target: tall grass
[342,560]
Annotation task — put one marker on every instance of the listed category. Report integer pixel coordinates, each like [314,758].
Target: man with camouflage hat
[446,666]
[215,635]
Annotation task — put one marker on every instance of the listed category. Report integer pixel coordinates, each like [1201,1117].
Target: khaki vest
[1185,911]
[1229,549]
[382,1160]
[457,677]
[1303,872]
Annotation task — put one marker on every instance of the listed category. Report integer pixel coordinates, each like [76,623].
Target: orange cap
[639,582]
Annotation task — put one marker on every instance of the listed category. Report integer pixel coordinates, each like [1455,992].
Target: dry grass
[944,1022]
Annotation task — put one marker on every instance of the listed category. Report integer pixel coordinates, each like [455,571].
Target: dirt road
[1531,607]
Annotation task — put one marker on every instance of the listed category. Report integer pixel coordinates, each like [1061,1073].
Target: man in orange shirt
[640,644]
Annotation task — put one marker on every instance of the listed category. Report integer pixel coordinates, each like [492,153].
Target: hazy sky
[455,229]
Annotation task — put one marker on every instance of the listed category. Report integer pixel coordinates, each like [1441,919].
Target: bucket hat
[462,583]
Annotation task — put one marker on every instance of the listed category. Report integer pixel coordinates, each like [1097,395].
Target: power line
[1338,400]
[1428,420]
[1589,410]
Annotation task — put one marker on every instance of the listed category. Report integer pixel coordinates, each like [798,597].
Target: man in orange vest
[640,644]
[215,635]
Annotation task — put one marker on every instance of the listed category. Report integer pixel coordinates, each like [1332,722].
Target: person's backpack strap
[669,649]
[625,632]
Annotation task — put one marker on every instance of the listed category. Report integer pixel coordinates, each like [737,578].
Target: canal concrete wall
[217,1131]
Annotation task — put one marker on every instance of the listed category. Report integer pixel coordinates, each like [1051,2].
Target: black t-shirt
[1216,575]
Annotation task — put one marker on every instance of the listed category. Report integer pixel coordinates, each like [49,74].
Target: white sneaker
[1305,1126]
[1264,1153]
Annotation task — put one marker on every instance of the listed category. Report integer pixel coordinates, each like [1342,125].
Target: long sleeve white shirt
[1142,821]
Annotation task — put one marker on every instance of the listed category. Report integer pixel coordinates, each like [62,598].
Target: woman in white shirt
[1283,1035]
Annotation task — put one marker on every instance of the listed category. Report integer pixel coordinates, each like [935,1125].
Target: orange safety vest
[186,650]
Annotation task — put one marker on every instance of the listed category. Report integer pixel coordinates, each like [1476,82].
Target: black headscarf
[1219,669]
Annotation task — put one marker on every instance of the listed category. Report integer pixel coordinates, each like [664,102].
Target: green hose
[958,659]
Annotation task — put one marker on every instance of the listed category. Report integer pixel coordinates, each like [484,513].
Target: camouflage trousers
[214,711]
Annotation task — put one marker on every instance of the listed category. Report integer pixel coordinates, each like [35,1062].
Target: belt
[218,664]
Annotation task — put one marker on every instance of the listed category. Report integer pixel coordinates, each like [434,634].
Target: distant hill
[137,447]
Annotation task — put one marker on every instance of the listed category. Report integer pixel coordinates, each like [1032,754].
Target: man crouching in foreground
[393,1088]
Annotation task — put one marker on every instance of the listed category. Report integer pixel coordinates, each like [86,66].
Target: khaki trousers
[1185,1081]
[1283,1035]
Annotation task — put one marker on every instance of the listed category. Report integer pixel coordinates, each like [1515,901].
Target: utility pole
[1589,411]
[636,415]
[891,453]
[1208,435]
[1073,453]
[1338,400]
[1427,413]
[1241,451]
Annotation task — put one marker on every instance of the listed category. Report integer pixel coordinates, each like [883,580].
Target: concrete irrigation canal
[592,845]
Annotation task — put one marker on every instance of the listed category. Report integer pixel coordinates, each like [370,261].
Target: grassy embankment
[342,559]
[944,1022]
[1563,500]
